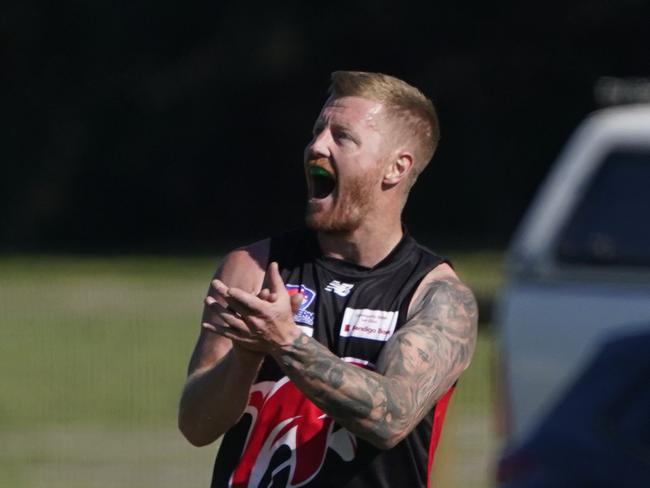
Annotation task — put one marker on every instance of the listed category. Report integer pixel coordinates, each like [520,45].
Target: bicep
[243,268]
[434,346]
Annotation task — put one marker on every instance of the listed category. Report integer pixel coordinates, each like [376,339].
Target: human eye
[343,135]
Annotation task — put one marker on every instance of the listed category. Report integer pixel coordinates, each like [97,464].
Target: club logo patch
[341,289]
[376,325]
[303,315]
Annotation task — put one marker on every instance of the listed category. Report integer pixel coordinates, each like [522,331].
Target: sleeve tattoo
[416,367]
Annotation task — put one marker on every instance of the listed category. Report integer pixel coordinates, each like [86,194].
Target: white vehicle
[578,268]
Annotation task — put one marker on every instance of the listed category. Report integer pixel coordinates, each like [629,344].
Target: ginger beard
[345,206]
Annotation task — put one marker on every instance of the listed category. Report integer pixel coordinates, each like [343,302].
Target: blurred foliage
[166,126]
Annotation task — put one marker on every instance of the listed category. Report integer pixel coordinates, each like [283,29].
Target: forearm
[213,400]
[370,405]
[418,364]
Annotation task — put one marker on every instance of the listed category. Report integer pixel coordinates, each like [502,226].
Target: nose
[318,147]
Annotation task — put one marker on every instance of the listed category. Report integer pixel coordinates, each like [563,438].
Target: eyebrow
[320,122]
[342,125]
[336,124]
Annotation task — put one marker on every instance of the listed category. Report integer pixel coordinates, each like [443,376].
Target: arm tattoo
[416,367]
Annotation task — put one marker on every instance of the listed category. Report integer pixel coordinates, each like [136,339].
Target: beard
[352,204]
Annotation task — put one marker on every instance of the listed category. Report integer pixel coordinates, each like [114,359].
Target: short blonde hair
[406,105]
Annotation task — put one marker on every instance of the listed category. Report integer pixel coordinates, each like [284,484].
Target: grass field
[93,354]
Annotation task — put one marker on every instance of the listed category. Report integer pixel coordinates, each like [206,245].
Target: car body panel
[564,324]
[553,313]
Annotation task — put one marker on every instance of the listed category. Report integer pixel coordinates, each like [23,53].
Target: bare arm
[417,366]
[220,375]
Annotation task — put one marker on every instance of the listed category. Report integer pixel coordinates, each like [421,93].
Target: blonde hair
[413,113]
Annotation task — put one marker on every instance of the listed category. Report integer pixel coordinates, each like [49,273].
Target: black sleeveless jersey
[283,439]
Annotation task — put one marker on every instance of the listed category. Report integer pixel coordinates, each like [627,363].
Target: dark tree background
[166,126]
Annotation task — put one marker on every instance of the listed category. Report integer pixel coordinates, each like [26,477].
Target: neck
[366,246]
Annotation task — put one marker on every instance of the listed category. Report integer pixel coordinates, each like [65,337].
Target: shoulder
[245,266]
[442,289]
[439,335]
[441,324]
[254,255]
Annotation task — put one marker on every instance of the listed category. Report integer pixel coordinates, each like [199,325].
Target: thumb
[274,279]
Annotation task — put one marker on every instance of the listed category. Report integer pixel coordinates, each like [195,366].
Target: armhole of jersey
[290,248]
[436,429]
[278,250]
[406,304]
[285,245]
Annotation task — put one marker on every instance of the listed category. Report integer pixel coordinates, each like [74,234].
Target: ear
[398,168]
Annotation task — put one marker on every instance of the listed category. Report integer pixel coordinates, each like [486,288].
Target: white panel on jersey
[376,325]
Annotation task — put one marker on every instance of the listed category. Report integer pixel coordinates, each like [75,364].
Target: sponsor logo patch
[376,325]
[341,289]
[303,315]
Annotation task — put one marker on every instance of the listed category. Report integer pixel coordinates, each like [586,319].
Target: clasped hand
[262,322]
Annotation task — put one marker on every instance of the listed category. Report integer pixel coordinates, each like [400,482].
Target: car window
[611,225]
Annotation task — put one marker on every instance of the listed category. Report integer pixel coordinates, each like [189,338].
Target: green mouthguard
[318,171]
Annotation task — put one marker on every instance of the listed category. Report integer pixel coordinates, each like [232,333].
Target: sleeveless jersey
[283,439]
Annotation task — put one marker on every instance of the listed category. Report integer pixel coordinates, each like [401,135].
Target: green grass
[93,353]
[96,340]
[468,443]
[482,271]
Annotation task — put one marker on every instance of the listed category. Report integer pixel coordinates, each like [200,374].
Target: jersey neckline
[341,267]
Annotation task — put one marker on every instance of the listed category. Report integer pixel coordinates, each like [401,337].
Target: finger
[242,323]
[248,342]
[219,288]
[296,301]
[264,294]
[267,295]
[246,323]
[239,300]
[216,307]
[234,322]
[232,304]
[236,306]
[245,300]
[210,301]
[230,327]
[227,315]
[274,278]
[209,326]
[229,333]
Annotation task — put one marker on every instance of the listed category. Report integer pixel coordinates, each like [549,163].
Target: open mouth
[321,181]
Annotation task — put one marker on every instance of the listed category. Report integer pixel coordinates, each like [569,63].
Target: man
[333,367]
